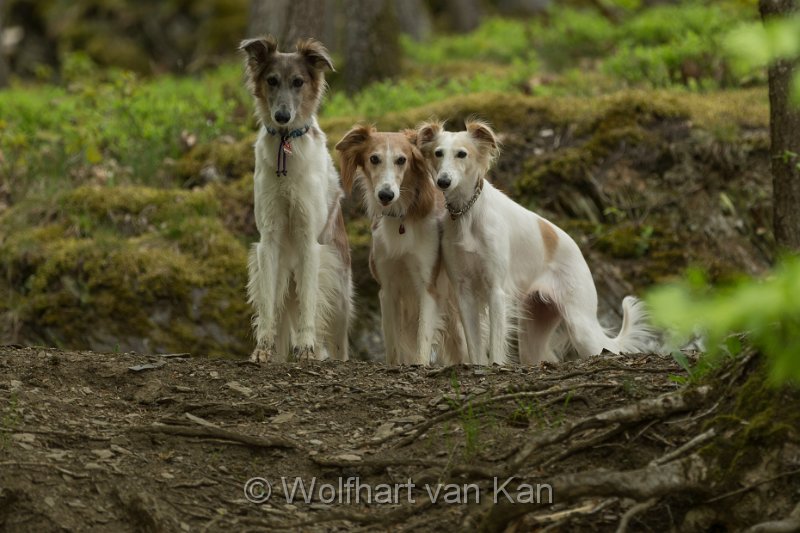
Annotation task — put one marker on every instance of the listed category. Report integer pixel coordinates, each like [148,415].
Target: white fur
[496,255]
[299,284]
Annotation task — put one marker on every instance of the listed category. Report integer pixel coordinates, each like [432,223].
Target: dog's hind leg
[340,325]
[540,317]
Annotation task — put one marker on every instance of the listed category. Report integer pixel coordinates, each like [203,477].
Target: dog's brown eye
[374,159]
[400,160]
[438,153]
[272,82]
[461,154]
[297,82]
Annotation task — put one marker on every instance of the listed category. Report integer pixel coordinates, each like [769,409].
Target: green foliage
[497,39]
[756,45]
[388,96]
[574,34]
[767,310]
[115,119]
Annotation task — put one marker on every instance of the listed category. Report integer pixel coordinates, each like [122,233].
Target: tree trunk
[3,64]
[414,19]
[785,132]
[371,45]
[289,20]
[465,15]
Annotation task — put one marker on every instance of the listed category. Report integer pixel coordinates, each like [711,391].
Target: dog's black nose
[443,182]
[282,117]
[385,196]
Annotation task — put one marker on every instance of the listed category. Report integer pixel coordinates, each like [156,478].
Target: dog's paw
[262,354]
[303,354]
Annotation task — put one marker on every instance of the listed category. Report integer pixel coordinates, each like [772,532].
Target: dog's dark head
[395,177]
[287,87]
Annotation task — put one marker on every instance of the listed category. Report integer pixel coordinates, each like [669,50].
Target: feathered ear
[482,133]
[315,54]
[427,132]
[259,50]
[350,148]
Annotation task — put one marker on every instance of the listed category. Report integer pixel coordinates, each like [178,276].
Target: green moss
[761,417]
[625,241]
[222,158]
[173,280]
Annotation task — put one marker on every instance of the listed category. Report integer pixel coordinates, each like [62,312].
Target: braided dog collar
[455,213]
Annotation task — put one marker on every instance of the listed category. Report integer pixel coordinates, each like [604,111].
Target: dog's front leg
[389,325]
[498,326]
[263,284]
[428,308]
[307,280]
[470,310]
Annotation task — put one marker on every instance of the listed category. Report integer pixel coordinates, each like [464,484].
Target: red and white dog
[496,251]
[417,302]
[300,282]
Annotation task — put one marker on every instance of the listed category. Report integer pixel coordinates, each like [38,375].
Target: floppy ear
[315,54]
[350,148]
[480,131]
[258,50]
[427,132]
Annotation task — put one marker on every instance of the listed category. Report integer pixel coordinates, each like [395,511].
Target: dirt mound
[129,442]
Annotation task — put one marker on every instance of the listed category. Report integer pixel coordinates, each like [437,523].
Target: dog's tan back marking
[340,237]
[549,237]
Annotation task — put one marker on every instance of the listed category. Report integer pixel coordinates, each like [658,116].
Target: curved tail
[635,335]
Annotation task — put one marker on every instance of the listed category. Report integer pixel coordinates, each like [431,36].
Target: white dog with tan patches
[496,251]
[300,283]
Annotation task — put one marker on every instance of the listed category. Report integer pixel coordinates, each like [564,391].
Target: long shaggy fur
[299,283]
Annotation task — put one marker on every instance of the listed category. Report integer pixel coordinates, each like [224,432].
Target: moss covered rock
[128,268]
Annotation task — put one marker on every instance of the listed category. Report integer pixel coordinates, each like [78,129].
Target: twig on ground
[218,433]
[46,465]
[415,431]
[633,511]
[588,443]
[680,450]
[752,486]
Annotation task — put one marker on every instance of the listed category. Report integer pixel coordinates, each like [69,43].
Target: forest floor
[129,442]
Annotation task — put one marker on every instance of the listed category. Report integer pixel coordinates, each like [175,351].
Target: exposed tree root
[218,433]
[686,475]
[666,404]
